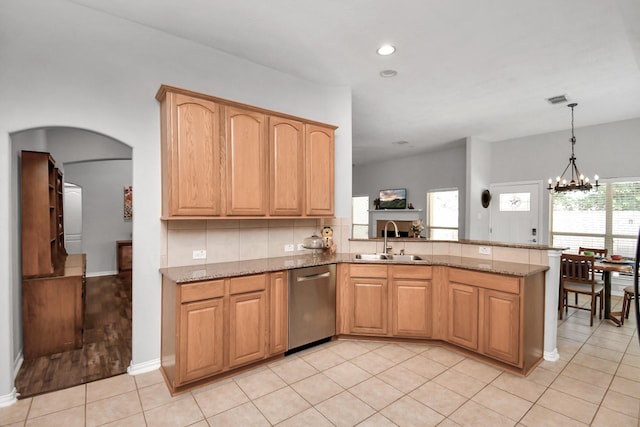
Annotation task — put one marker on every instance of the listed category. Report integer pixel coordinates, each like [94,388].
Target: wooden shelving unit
[52,282]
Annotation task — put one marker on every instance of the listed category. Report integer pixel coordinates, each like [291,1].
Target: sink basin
[380,257]
[404,257]
[372,257]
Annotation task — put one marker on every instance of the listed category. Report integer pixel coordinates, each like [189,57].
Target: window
[607,218]
[442,215]
[360,217]
[515,202]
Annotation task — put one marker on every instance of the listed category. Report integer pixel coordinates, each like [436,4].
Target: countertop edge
[213,271]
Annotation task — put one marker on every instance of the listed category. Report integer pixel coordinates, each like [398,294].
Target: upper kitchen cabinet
[191,175]
[246,162]
[224,159]
[319,163]
[286,174]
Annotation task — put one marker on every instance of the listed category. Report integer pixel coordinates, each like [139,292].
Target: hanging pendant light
[578,181]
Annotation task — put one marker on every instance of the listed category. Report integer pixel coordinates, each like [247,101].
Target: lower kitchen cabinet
[484,313]
[247,327]
[487,314]
[278,312]
[411,298]
[463,315]
[201,333]
[500,324]
[212,327]
[368,300]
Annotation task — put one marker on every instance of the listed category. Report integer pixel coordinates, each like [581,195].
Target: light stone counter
[194,273]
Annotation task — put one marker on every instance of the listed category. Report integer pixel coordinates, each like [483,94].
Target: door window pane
[515,202]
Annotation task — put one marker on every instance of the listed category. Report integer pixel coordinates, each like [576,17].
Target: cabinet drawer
[241,285]
[201,290]
[485,280]
[368,270]
[411,272]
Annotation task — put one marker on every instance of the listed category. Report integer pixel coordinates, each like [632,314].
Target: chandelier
[578,181]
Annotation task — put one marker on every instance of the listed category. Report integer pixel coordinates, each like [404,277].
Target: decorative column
[552,291]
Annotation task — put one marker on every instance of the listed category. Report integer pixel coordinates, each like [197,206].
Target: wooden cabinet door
[411,308]
[500,325]
[246,162]
[52,315]
[286,166]
[369,306]
[200,341]
[247,328]
[463,315]
[278,312]
[319,170]
[193,158]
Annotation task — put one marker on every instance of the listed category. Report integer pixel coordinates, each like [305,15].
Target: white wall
[418,174]
[478,167]
[102,185]
[66,65]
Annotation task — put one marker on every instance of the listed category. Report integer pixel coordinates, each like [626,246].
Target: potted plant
[376,203]
[416,228]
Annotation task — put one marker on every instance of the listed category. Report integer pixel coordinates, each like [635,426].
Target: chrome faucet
[386,248]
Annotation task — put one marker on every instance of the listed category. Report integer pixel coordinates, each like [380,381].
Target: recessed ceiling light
[386,49]
[388,73]
[400,142]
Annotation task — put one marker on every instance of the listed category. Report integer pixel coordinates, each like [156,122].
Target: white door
[72,218]
[515,212]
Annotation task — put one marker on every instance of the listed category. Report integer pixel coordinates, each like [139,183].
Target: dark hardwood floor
[106,349]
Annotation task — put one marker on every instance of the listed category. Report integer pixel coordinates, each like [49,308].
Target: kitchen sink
[404,257]
[372,257]
[381,257]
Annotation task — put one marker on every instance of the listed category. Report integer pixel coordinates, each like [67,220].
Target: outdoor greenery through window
[360,217]
[607,218]
[442,215]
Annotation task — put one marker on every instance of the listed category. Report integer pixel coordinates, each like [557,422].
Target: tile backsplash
[234,240]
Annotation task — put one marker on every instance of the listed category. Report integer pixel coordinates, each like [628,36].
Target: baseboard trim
[144,367]
[9,399]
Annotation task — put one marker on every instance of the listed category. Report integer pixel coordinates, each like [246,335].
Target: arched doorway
[102,167]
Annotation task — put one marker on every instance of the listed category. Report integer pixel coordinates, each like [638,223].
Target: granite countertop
[537,246]
[194,273]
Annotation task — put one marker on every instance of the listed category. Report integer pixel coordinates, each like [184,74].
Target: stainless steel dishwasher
[312,304]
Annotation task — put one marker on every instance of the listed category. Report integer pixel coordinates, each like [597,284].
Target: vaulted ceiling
[481,68]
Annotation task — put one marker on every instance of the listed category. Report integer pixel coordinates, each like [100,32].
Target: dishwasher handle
[313,277]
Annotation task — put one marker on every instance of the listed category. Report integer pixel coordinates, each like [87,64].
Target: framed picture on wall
[128,203]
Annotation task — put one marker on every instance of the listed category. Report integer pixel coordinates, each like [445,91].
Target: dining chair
[629,295]
[577,275]
[597,252]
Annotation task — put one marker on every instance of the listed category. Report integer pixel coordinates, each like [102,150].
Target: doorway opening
[97,173]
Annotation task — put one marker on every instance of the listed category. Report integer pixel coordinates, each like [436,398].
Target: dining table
[607,267]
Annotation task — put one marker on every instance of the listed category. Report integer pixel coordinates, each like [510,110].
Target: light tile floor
[346,383]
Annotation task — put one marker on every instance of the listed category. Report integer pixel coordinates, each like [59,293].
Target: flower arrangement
[417,227]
